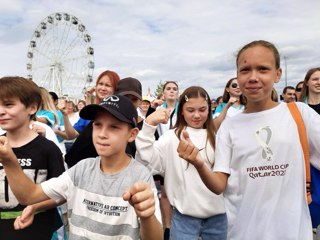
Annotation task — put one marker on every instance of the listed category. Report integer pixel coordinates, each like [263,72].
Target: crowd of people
[179,166]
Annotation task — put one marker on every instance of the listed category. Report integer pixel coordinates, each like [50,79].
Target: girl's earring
[186,98]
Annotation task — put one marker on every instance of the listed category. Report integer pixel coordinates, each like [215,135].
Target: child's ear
[33,109]
[279,73]
[133,134]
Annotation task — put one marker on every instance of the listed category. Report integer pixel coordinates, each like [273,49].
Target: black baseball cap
[118,106]
[130,86]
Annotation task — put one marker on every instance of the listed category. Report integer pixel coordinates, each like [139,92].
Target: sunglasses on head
[298,89]
[234,85]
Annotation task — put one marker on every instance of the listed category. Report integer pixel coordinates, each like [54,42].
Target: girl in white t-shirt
[197,211]
[259,161]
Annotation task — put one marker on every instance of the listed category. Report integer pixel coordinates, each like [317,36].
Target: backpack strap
[304,143]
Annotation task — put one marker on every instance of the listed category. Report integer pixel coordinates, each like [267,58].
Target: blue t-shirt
[48,115]
[81,124]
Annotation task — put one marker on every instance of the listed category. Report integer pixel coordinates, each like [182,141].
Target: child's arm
[69,131]
[218,121]
[149,151]
[215,181]
[141,197]
[23,188]
[27,215]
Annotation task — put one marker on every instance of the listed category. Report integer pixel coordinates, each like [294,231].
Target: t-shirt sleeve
[58,188]
[55,162]
[223,152]
[81,124]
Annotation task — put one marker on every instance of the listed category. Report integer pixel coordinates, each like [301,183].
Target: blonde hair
[47,104]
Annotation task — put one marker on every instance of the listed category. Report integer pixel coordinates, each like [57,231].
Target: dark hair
[301,82]
[305,88]
[167,82]
[54,96]
[25,89]
[286,88]
[226,94]
[195,92]
[218,99]
[265,44]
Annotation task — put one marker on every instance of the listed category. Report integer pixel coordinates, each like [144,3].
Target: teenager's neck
[260,106]
[171,104]
[21,136]
[313,99]
[115,163]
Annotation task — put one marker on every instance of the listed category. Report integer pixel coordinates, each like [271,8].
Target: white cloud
[192,42]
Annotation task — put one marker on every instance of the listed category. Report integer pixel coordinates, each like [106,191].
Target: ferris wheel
[60,57]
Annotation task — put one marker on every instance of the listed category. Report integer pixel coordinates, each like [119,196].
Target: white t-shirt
[266,191]
[183,185]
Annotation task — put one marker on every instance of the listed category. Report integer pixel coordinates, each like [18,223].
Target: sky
[187,41]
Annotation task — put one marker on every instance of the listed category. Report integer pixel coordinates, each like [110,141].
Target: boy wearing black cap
[105,195]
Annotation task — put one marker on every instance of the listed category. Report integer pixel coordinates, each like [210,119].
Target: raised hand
[188,151]
[62,106]
[141,197]
[232,101]
[6,153]
[161,115]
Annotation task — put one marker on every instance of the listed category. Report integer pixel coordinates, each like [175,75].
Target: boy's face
[110,136]
[14,114]
[257,73]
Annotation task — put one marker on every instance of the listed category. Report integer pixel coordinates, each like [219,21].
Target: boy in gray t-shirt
[108,196]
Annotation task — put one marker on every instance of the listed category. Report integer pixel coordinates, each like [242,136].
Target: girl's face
[80,105]
[298,90]
[70,107]
[234,89]
[104,87]
[144,105]
[195,112]
[314,83]
[170,92]
[256,73]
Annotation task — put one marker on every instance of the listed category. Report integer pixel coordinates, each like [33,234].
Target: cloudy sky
[191,42]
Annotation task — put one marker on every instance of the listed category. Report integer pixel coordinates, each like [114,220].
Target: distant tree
[158,90]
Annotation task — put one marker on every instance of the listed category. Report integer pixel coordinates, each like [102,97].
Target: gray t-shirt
[96,208]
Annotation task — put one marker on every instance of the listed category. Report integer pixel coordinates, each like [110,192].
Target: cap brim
[89,112]
[130,93]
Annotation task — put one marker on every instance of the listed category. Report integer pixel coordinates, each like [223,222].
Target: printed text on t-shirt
[267,171]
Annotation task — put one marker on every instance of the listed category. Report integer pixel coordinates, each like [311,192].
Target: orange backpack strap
[304,143]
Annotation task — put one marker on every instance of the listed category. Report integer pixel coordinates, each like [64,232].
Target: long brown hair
[195,92]
[305,88]
[226,94]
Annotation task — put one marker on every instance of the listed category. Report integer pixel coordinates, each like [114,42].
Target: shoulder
[83,167]
[142,171]
[45,143]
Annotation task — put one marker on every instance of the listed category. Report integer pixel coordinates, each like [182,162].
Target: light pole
[285,70]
